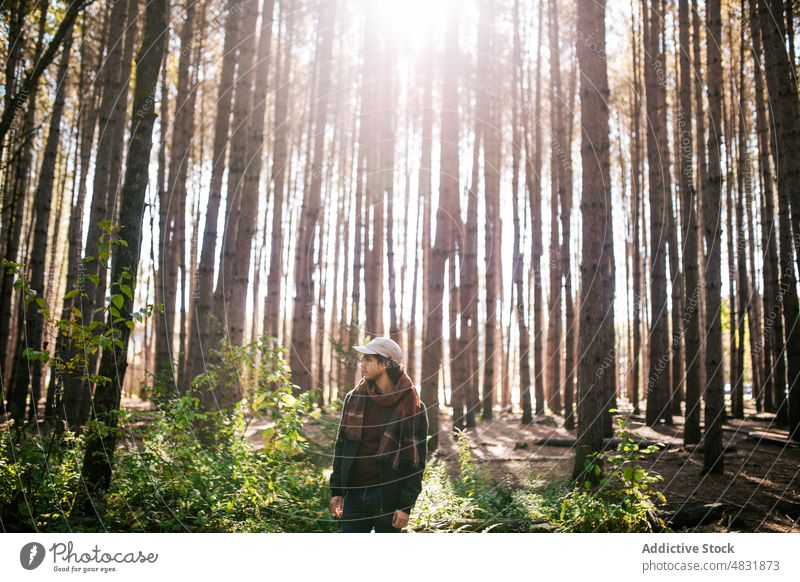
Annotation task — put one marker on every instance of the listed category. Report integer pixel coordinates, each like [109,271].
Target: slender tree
[100,445]
[713,397]
[594,345]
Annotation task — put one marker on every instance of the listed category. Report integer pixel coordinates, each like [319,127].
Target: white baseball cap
[382,346]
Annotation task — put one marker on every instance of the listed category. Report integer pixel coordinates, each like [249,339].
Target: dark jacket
[399,488]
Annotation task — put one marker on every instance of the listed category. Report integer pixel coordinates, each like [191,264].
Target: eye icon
[31,555]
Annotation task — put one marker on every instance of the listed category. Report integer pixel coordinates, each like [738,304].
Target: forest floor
[760,488]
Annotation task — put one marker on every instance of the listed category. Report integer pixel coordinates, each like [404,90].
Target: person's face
[371,368]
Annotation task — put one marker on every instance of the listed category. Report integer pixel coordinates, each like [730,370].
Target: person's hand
[399,519]
[336,505]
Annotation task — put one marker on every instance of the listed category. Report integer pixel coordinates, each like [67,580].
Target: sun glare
[412,18]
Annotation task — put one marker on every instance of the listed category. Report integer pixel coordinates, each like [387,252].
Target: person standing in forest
[381,445]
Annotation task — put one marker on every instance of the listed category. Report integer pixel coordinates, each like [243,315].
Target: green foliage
[39,478]
[469,475]
[176,483]
[85,339]
[439,507]
[172,481]
[625,499]
[167,479]
[254,369]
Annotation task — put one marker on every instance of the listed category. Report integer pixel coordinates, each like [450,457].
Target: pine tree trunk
[16,247]
[783,93]
[448,205]
[566,264]
[469,287]
[371,105]
[450,162]
[533,172]
[111,114]
[691,292]
[636,203]
[490,132]
[203,327]
[304,283]
[27,373]
[246,229]
[278,178]
[100,446]
[519,293]
[744,306]
[595,345]
[557,157]
[702,172]
[714,396]
[172,204]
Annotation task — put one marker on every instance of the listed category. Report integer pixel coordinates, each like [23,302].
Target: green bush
[175,482]
[172,480]
[39,478]
[166,479]
[625,500]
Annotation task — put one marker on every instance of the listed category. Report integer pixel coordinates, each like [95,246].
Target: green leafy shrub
[39,478]
[165,479]
[439,506]
[174,481]
[625,500]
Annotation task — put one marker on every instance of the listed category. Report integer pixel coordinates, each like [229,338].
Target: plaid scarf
[400,435]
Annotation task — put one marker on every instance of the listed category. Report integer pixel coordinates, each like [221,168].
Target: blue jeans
[362,512]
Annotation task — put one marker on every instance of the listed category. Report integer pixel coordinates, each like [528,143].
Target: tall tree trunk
[278,177]
[636,203]
[533,172]
[203,327]
[714,396]
[27,373]
[16,247]
[566,262]
[424,216]
[469,287]
[373,79]
[237,189]
[111,114]
[745,302]
[245,231]
[490,133]
[449,191]
[702,170]
[658,396]
[773,351]
[558,155]
[595,345]
[691,292]
[304,283]
[783,93]
[172,203]
[99,456]
[519,292]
